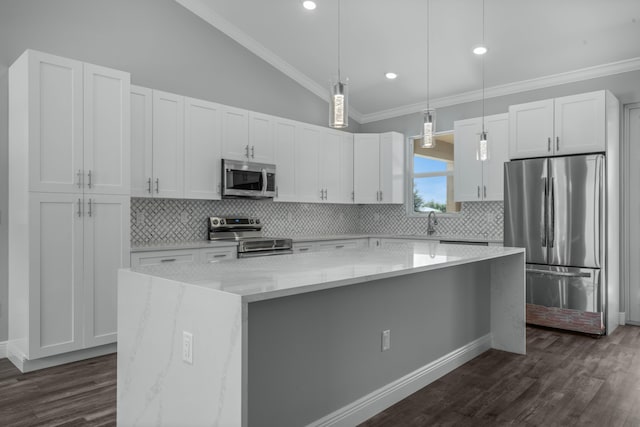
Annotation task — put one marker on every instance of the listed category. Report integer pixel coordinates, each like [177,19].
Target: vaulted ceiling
[532,44]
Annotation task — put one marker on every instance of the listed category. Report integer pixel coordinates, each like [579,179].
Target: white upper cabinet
[74,122]
[141,141]
[567,125]
[235,133]
[476,179]
[329,167]
[168,145]
[261,143]
[580,122]
[346,167]
[378,171]
[306,163]
[202,149]
[285,132]
[106,130]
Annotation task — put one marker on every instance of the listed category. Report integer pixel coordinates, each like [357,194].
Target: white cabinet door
[141,141]
[235,133]
[391,167]
[497,127]
[55,269]
[168,145]
[346,168]
[366,168]
[53,96]
[467,173]
[285,132]
[180,256]
[329,167]
[211,255]
[202,149]
[580,123]
[106,249]
[107,133]
[260,137]
[531,129]
[307,146]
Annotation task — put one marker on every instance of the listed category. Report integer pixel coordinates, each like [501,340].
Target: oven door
[253,180]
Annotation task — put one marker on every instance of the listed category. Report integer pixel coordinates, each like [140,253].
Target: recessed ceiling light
[480,50]
[391,76]
[309,5]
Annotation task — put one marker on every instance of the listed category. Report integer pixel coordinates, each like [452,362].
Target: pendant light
[428,119]
[338,102]
[484,152]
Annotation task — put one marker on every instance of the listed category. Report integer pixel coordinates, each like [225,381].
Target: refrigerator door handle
[545,203]
[557,273]
[552,220]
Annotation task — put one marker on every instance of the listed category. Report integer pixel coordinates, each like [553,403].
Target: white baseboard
[377,401]
[622,318]
[3,350]
[25,365]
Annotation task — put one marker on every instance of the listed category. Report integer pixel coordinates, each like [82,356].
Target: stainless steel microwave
[246,179]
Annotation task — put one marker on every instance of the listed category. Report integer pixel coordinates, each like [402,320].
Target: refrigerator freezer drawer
[564,287]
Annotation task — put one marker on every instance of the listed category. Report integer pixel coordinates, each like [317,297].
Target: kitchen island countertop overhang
[294,339]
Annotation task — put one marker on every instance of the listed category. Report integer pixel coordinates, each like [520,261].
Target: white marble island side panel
[212,301]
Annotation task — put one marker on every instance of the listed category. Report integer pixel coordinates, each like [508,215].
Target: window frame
[408,199]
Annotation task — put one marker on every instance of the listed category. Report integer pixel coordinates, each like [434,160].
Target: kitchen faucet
[432,221]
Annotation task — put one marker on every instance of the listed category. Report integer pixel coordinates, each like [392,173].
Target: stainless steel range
[247,231]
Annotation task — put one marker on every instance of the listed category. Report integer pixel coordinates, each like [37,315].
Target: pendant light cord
[428,31]
[339,51]
[483,44]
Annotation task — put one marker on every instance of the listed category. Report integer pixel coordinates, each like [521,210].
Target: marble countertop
[194,244]
[199,244]
[262,278]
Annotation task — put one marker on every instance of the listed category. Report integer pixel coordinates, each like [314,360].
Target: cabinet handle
[149,185]
[219,189]
[485,191]
[79,208]
[326,192]
[89,179]
[79,178]
[304,249]
[378,195]
[246,151]
[253,149]
[549,144]
[557,143]
[321,194]
[157,185]
[168,260]
[381,198]
[353,195]
[220,255]
[90,211]
[478,191]
[339,246]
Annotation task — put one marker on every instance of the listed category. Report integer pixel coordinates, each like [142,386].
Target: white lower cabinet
[211,255]
[329,245]
[180,256]
[63,273]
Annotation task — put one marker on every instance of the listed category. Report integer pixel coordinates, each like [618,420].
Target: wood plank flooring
[564,380]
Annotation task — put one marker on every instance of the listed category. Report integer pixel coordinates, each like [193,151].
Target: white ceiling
[532,44]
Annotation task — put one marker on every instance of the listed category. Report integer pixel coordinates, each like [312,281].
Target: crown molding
[618,67]
[202,10]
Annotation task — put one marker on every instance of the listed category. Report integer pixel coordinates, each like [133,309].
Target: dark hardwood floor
[564,380]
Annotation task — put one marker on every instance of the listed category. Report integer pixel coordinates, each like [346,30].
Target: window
[431,177]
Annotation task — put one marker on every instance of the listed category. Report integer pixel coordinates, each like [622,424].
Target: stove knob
[251,221]
[257,221]
[222,222]
[214,222]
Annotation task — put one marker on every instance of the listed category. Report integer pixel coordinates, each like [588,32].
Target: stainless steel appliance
[555,208]
[248,232]
[246,179]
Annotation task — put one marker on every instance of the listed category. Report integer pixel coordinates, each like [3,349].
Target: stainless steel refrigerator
[555,208]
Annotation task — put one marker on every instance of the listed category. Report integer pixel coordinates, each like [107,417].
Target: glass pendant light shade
[338,105]
[428,127]
[484,152]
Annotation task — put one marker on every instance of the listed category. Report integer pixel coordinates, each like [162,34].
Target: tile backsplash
[177,220]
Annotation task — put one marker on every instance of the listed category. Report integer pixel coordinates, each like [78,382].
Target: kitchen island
[298,339]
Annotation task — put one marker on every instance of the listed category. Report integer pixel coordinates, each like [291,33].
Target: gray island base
[296,340]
